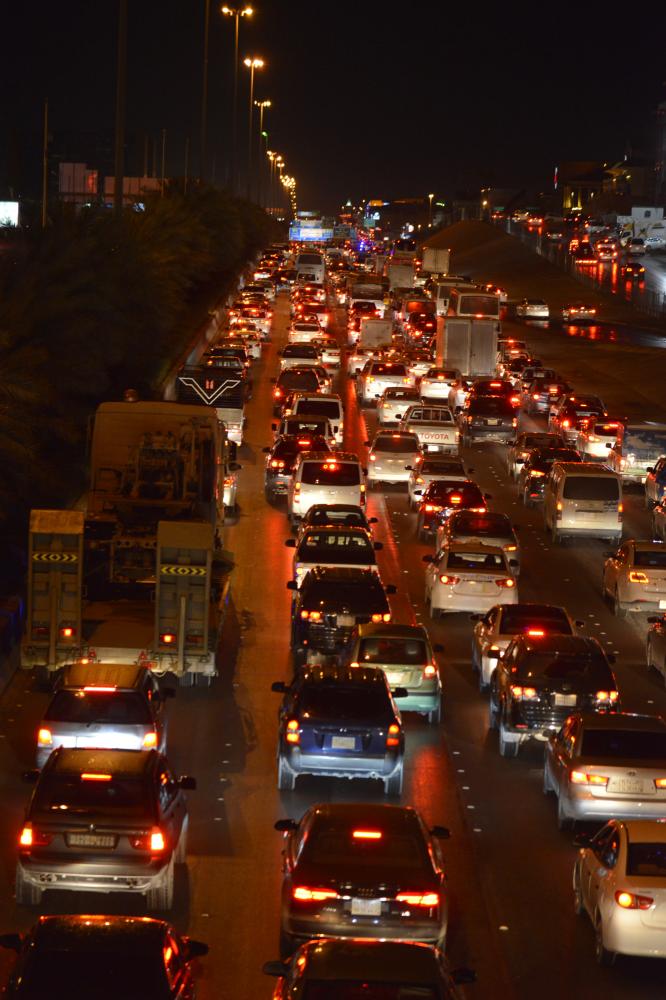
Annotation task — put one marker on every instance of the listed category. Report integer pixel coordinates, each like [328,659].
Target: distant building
[77,184]
[134,188]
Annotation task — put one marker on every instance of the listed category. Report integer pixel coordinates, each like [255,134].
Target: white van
[325,477]
[330,407]
[582,499]
[310,266]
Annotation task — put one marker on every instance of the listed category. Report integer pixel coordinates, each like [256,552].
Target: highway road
[509,867]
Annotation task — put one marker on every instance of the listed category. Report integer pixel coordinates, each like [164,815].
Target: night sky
[370,100]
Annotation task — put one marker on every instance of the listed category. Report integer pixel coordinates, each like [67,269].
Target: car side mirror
[378,546]
[279,687]
[579,623]
[441,832]
[418,493]
[11,941]
[427,559]
[438,647]
[609,445]
[275,968]
[494,654]
[514,563]
[519,461]
[582,840]
[30,777]
[290,543]
[365,471]
[187,783]
[470,472]
[285,825]
[463,976]
[650,468]
[292,585]
[409,468]
[234,467]
[194,949]
[391,588]
[400,693]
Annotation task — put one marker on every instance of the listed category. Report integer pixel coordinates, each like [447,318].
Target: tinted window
[307,381]
[388,369]
[516,620]
[469,494]
[337,701]
[482,561]
[401,394]
[591,488]
[544,459]
[489,525]
[360,597]
[331,474]
[120,707]
[54,973]
[655,559]
[397,445]
[344,516]
[59,792]
[647,859]
[433,467]
[346,543]
[324,407]
[393,849]
[300,351]
[491,405]
[618,743]
[592,670]
[392,649]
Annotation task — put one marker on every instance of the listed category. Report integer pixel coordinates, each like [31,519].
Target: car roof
[343,675]
[339,958]
[128,763]
[81,932]
[124,676]
[392,631]
[629,721]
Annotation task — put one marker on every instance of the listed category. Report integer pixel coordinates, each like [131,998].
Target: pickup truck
[434,426]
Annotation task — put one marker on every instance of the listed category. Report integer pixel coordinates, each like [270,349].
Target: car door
[616,569]
[171,802]
[600,859]
[157,702]
[560,752]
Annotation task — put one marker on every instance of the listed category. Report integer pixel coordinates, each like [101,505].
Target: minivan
[320,477]
[581,499]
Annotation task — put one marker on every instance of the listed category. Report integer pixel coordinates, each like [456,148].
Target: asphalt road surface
[509,868]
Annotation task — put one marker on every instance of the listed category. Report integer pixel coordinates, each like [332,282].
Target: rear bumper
[93,877]
[339,766]
[479,604]
[584,806]
[317,926]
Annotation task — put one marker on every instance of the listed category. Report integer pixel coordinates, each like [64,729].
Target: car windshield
[591,488]
[617,744]
[392,649]
[55,972]
[396,444]
[320,407]
[648,860]
[331,473]
[106,707]
[363,989]
[516,620]
[335,701]
[592,669]
[74,795]
[476,561]
[480,525]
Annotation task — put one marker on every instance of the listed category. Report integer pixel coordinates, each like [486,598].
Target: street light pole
[236,13]
[262,105]
[121,86]
[204,94]
[252,64]
[430,197]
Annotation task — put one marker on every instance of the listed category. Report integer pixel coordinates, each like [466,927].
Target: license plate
[431,447]
[366,907]
[662,605]
[91,840]
[565,699]
[343,742]
[629,786]
[492,423]
[394,679]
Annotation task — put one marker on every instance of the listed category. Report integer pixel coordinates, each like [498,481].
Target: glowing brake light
[520,693]
[277,463]
[426,899]
[306,895]
[168,638]
[535,632]
[632,901]
[449,580]
[635,576]
[660,782]
[29,837]
[367,835]
[157,841]
[583,778]
[432,508]
[105,689]
[430,671]
[150,740]
[393,737]
[67,632]
[507,583]
[292,734]
[313,616]
[607,696]
[94,776]
[44,737]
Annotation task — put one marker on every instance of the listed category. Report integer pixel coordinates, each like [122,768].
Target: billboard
[9,213]
[313,234]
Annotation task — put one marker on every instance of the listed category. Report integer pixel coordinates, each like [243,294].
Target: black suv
[281,458]
[488,418]
[296,379]
[329,603]
[541,680]
[534,471]
[442,497]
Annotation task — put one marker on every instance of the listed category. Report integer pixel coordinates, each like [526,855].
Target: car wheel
[618,609]
[564,820]
[435,717]
[578,907]
[393,785]
[161,897]
[602,954]
[181,850]
[507,746]
[286,781]
[26,893]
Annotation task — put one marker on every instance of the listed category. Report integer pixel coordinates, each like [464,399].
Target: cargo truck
[400,274]
[375,332]
[470,345]
[436,260]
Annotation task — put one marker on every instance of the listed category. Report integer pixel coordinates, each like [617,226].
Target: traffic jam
[442,492]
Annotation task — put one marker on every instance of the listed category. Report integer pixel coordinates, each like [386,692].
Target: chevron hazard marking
[208,397]
[55,557]
[171,569]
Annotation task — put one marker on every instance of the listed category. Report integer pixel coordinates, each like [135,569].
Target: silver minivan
[581,499]
[325,477]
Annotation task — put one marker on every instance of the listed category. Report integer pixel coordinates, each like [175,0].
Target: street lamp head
[253,63]
[247,12]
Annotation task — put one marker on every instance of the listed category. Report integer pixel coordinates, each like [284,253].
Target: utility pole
[164,133]
[45,162]
[121,86]
[204,93]
[187,164]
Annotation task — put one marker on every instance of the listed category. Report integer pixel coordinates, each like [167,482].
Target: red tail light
[450,580]
[277,463]
[313,616]
[425,899]
[168,639]
[507,583]
[306,895]
[583,778]
[523,693]
[432,508]
[429,671]
[607,696]
[155,841]
[30,837]
[292,734]
[67,632]
[632,901]
[393,737]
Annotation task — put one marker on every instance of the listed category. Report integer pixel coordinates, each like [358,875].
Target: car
[605,766]
[540,679]
[494,631]
[581,312]
[468,576]
[305,426]
[334,969]
[654,241]
[618,882]
[316,404]
[494,387]
[324,477]
[407,657]
[377,376]
[301,379]
[299,355]
[357,359]
[429,468]
[104,705]
[338,545]
[535,371]
[655,483]
[535,469]
[573,412]
[636,246]
[331,355]
[303,331]
[634,577]
[541,394]
[321,514]
[340,722]
[459,393]
[281,459]
[499,292]
[394,402]
[606,252]
[633,270]
[637,449]
[131,957]
[585,255]
[436,383]
[489,529]
[532,309]
[390,455]
[328,604]
[360,869]
[443,496]
[103,821]
[520,449]
[596,436]
[488,418]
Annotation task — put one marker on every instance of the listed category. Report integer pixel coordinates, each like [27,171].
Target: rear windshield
[350,989]
[478,305]
[379,368]
[392,649]
[591,488]
[396,445]
[483,525]
[52,972]
[467,494]
[120,707]
[482,561]
[296,427]
[444,469]
[338,701]
[403,849]
[401,394]
[608,429]
[354,597]
[300,351]
[307,381]
[70,792]
[591,669]
[349,547]
[544,459]
[331,474]
[495,406]
[647,859]
[320,407]
[330,516]
[616,744]
[516,620]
